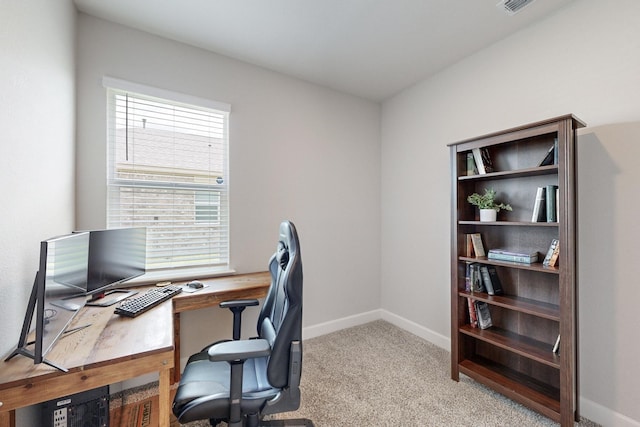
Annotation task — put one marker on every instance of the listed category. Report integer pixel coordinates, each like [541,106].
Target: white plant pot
[488,215]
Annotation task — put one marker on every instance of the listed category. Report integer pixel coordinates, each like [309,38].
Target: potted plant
[487,204]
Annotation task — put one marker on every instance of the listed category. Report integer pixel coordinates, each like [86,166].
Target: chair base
[300,422]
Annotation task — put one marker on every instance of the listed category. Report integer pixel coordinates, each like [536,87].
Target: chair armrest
[239,350]
[237,307]
[235,353]
[238,303]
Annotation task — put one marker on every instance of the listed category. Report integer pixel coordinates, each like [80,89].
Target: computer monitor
[115,256]
[71,267]
[63,260]
[57,295]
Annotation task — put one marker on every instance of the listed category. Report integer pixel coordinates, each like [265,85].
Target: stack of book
[481,278]
[545,206]
[473,245]
[479,162]
[490,279]
[468,285]
[504,255]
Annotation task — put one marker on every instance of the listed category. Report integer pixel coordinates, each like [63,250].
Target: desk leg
[175,371]
[8,419]
[164,390]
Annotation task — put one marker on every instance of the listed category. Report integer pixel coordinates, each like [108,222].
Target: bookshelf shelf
[509,223]
[522,305]
[542,170]
[536,266]
[515,385]
[514,355]
[518,344]
[515,343]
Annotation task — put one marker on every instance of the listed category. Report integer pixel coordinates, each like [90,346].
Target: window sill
[179,275]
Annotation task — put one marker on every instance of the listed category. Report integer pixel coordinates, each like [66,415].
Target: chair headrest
[287,244]
[282,255]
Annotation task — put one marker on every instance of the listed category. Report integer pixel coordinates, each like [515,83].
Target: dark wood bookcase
[515,356]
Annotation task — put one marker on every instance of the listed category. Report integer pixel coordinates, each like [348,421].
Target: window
[168,170]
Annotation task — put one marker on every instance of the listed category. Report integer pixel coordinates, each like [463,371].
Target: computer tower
[86,409]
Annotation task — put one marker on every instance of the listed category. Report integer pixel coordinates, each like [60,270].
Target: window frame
[114,86]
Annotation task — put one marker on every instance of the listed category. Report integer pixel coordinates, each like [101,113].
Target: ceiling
[369,48]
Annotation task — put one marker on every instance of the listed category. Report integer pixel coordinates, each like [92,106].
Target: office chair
[241,381]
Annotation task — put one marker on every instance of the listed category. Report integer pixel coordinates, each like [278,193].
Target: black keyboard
[135,306]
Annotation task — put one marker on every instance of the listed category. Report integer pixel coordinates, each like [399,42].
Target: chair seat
[204,388]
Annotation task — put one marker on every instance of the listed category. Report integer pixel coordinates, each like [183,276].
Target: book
[478,248]
[467,277]
[548,158]
[477,284]
[495,280]
[471,165]
[556,346]
[477,156]
[557,204]
[483,160]
[551,258]
[551,158]
[483,314]
[486,160]
[504,255]
[473,319]
[551,203]
[486,280]
[539,206]
[468,246]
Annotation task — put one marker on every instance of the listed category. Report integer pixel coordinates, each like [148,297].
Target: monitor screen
[115,255]
[62,280]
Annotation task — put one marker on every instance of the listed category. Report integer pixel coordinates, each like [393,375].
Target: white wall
[37,149]
[297,151]
[37,118]
[582,60]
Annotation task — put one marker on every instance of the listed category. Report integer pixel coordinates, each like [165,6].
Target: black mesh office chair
[241,381]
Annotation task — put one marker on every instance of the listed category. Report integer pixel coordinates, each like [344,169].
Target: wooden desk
[240,286]
[111,350]
[117,348]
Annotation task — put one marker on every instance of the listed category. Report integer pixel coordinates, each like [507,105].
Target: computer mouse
[195,284]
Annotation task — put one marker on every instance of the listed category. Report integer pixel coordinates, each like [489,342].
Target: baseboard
[339,324]
[418,330]
[604,416]
[370,316]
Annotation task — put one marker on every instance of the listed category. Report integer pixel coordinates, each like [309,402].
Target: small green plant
[487,201]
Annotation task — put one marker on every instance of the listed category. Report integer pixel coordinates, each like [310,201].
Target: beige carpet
[379,375]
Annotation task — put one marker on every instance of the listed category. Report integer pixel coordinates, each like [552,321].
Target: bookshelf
[515,355]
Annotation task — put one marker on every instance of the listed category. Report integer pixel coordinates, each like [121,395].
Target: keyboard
[136,306]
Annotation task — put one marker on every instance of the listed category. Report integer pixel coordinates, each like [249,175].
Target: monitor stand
[24,352]
[105,301]
[21,348]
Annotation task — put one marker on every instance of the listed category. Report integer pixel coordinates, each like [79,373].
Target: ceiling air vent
[511,7]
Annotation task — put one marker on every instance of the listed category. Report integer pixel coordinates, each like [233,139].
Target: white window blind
[168,171]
